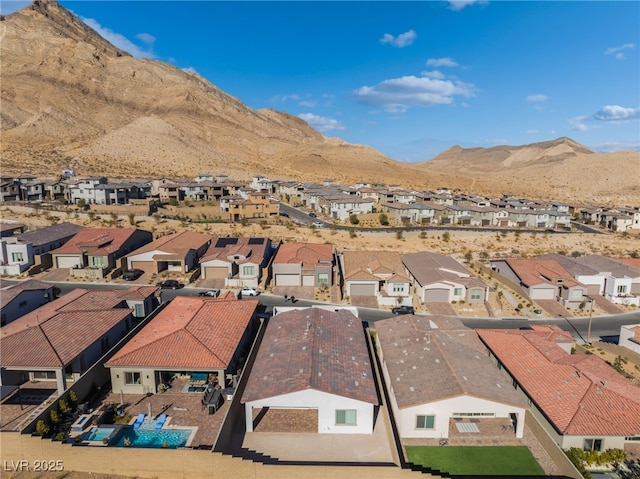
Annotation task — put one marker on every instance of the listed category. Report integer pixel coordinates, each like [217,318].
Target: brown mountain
[72,100]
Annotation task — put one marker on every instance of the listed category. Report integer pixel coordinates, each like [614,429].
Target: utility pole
[590,316]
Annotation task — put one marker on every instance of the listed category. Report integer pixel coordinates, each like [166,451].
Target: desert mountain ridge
[70,99]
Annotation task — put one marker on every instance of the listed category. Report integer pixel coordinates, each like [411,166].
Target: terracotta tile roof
[434,358]
[56,333]
[581,395]
[635,262]
[315,349]
[541,271]
[373,265]
[96,241]
[9,293]
[225,249]
[428,268]
[190,333]
[176,244]
[309,254]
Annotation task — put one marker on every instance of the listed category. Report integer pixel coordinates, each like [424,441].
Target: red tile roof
[96,241]
[539,271]
[177,244]
[316,349]
[56,333]
[580,394]
[309,254]
[190,333]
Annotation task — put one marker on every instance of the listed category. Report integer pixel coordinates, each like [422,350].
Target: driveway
[443,309]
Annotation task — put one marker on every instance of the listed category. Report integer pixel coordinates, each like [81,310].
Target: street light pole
[590,317]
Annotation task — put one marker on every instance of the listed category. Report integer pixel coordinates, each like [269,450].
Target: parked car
[403,310]
[170,284]
[297,205]
[212,293]
[132,274]
[317,224]
[249,292]
[282,213]
[313,215]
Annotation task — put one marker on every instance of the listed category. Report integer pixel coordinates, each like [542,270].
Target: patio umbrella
[121,398]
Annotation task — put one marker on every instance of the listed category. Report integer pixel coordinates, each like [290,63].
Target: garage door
[542,293]
[308,280]
[66,261]
[436,296]
[287,280]
[215,272]
[360,289]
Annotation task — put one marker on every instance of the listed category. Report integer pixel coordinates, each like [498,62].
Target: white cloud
[403,40]
[397,95]
[321,123]
[441,62]
[618,51]
[120,41]
[146,38]
[497,141]
[617,113]
[308,103]
[460,4]
[578,123]
[537,98]
[433,74]
[533,132]
[616,146]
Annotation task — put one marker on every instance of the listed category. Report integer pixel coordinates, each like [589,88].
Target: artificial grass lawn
[469,460]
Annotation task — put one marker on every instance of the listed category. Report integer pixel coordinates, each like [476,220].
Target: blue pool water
[99,433]
[152,438]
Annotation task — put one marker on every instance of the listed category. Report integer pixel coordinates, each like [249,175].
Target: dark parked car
[170,284]
[282,213]
[313,215]
[403,310]
[132,274]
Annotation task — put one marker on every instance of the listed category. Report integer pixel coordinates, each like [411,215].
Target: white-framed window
[132,377]
[323,278]
[425,422]
[457,291]
[44,375]
[17,257]
[576,294]
[97,261]
[138,310]
[592,444]
[346,417]
[398,287]
[476,294]
[248,271]
[622,289]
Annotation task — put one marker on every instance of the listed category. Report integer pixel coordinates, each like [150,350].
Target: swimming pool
[98,433]
[153,438]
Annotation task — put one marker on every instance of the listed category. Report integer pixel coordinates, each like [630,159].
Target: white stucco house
[316,360]
[630,337]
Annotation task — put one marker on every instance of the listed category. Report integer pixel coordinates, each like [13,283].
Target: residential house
[342,206]
[440,380]
[197,190]
[414,213]
[378,274]
[85,190]
[210,336]
[236,262]
[303,264]
[257,205]
[579,399]
[51,237]
[542,279]
[441,279]
[15,256]
[259,182]
[621,281]
[166,190]
[61,340]
[177,252]
[95,251]
[9,189]
[10,228]
[317,361]
[21,298]
[54,190]
[630,337]
[31,189]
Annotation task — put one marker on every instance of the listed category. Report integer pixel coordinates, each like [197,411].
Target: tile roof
[434,358]
[176,244]
[579,394]
[50,233]
[634,262]
[54,334]
[309,254]
[373,265]
[190,333]
[428,268]
[316,349]
[533,271]
[603,264]
[248,249]
[96,241]
[9,293]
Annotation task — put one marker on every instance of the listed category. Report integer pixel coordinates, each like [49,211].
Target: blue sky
[410,79]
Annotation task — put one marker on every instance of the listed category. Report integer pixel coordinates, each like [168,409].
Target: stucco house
[440,380]
[21,298]
[630,337]
[51,237]
[15,256]
[316,360]
[579,399]
[342,206]
[441,279]
[303,264]
[236,262]
[178,252]
[96,250]
[209,336]
[59,341]
[375,273]
[413,213]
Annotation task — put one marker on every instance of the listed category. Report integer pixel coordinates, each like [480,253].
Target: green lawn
[469,460]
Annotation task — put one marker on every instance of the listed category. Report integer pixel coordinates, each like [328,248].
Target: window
[323,278]
[138,310]
[248,271]
[132,378]
[576,294]
[457,292]
[346,417]
[97,260]
[398,287]
[622,289]
[476,294]
[425,422]
[44,375]
[592,445]
[17,257]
